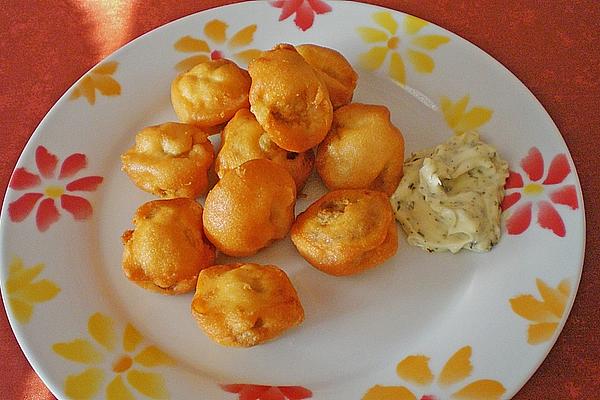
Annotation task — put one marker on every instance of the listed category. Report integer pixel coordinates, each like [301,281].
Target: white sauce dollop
[450,195]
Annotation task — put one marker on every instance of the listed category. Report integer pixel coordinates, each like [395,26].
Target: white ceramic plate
[437,325]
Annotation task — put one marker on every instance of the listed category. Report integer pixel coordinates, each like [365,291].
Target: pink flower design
[261,392]
[53,190]
[304,9]
[531,194]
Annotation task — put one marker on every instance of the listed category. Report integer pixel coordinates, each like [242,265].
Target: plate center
[353,324]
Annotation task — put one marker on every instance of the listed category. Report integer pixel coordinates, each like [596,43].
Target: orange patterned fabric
[554,50]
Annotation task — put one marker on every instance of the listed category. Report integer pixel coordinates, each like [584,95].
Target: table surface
[552,47]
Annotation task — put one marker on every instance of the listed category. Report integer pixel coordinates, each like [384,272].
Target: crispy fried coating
[289,99]
[170,160]
[346,231]
[250,207]
[362,150]
[243,139]
[210,93]
[333,68]
[245,304]
[167,249]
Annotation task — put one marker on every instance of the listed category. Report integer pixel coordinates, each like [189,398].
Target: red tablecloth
[553,47]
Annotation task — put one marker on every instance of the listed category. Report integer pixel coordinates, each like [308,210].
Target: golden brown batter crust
[346,231]
[362,150]
[167,249]
[333,68]
[250,207]
[245,304]
[210,93]
[289,99]
[243,139]
[170,160]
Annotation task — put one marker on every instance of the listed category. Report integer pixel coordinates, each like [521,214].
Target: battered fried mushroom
[243,139]
[250,207]
[346,231]
[210,93]
[167,249]
[170,160]
[289,99]
[334,70]
[363,150]
[245,304]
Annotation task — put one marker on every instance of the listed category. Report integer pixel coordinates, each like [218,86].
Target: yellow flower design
[98,79]
[459,119]
[23,293]
[415,370]
[545,315]
[216,31]
[411,44]
[121,366]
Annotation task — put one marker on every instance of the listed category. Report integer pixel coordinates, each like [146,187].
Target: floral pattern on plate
[262,392]
[105,359]
[304,10]
[52,189]
[415,370]
[544,315]
[24,291]
[98,79]
[461,120]
[538,193]
[388,40]
[216,31]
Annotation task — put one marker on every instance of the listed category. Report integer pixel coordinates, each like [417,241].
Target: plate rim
[19,331]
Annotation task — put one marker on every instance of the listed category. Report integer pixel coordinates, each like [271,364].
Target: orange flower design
[461,120]
[412,45]
[98,79]
[415,370]
[545,315]
[123,366]
[23,292]
[216,31]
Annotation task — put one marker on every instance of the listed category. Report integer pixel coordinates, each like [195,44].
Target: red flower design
[53,190]
[304,9]
[547,215]
[262,392]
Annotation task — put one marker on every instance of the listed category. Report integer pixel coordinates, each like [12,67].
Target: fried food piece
[167,249]
[250,207]
[333,68]
[210,93]
[245,304]
[243,139]
[170,160]
[362,150]
[289,99]
[346,231]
